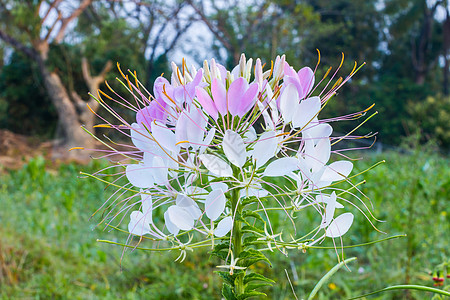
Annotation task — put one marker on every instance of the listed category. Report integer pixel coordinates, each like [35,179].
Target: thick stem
[237,238]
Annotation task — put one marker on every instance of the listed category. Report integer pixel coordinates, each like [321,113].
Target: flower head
[199,159]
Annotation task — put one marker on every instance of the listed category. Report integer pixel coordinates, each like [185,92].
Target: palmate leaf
[251,256]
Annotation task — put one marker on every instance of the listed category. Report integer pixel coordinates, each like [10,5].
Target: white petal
[139,175]
[289,102]
[137,225]
[250,135]
[305,112]
[265,148]
[141,138]
[189,205]
[147,207]
[216,165]
[340,225]
[281,167]
[219,186]
[234,148]
[215,204]
[181,132]
[160,171]
[224,227]
[195,127]
[329,211]
[318,131]
[164,136]
[208,139]
[337,171]
[322,198]
[317,156]
[170,226]
[254,191]
[196,193]
[180,217]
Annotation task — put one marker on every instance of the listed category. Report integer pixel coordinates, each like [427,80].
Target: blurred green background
[54,51]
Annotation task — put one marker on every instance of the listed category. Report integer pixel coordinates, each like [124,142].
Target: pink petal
[219,94]
[248,100]
[206,102]
[235,94]
[306,77]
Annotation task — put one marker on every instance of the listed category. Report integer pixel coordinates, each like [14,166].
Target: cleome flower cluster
[212,147]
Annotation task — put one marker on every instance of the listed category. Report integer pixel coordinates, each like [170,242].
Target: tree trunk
[74,135]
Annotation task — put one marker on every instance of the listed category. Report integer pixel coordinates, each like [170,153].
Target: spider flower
[217,153]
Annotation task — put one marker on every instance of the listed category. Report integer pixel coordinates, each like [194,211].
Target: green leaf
[251,256]
[251,229]
[221,250]
[251,294]
[227,292]
[255,286]
[256,277]
[328,276]
[226,277]
[250,200]
[249,213]
[249,240]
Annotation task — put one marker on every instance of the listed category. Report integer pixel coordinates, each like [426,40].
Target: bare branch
[52,5]
[30,52]
[211,26]
[93,82]
[177,36]
[47,36]
[65,22]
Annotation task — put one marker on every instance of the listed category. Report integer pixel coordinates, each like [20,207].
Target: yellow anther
[120,71]
[338,82]
[342,60]
[369,108]
[90,108]
[181,142]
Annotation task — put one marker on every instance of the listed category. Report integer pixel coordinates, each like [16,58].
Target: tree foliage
[405,45]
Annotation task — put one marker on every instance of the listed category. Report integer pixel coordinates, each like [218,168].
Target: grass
[48,245]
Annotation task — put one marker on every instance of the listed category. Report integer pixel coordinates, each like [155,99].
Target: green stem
[237,238]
